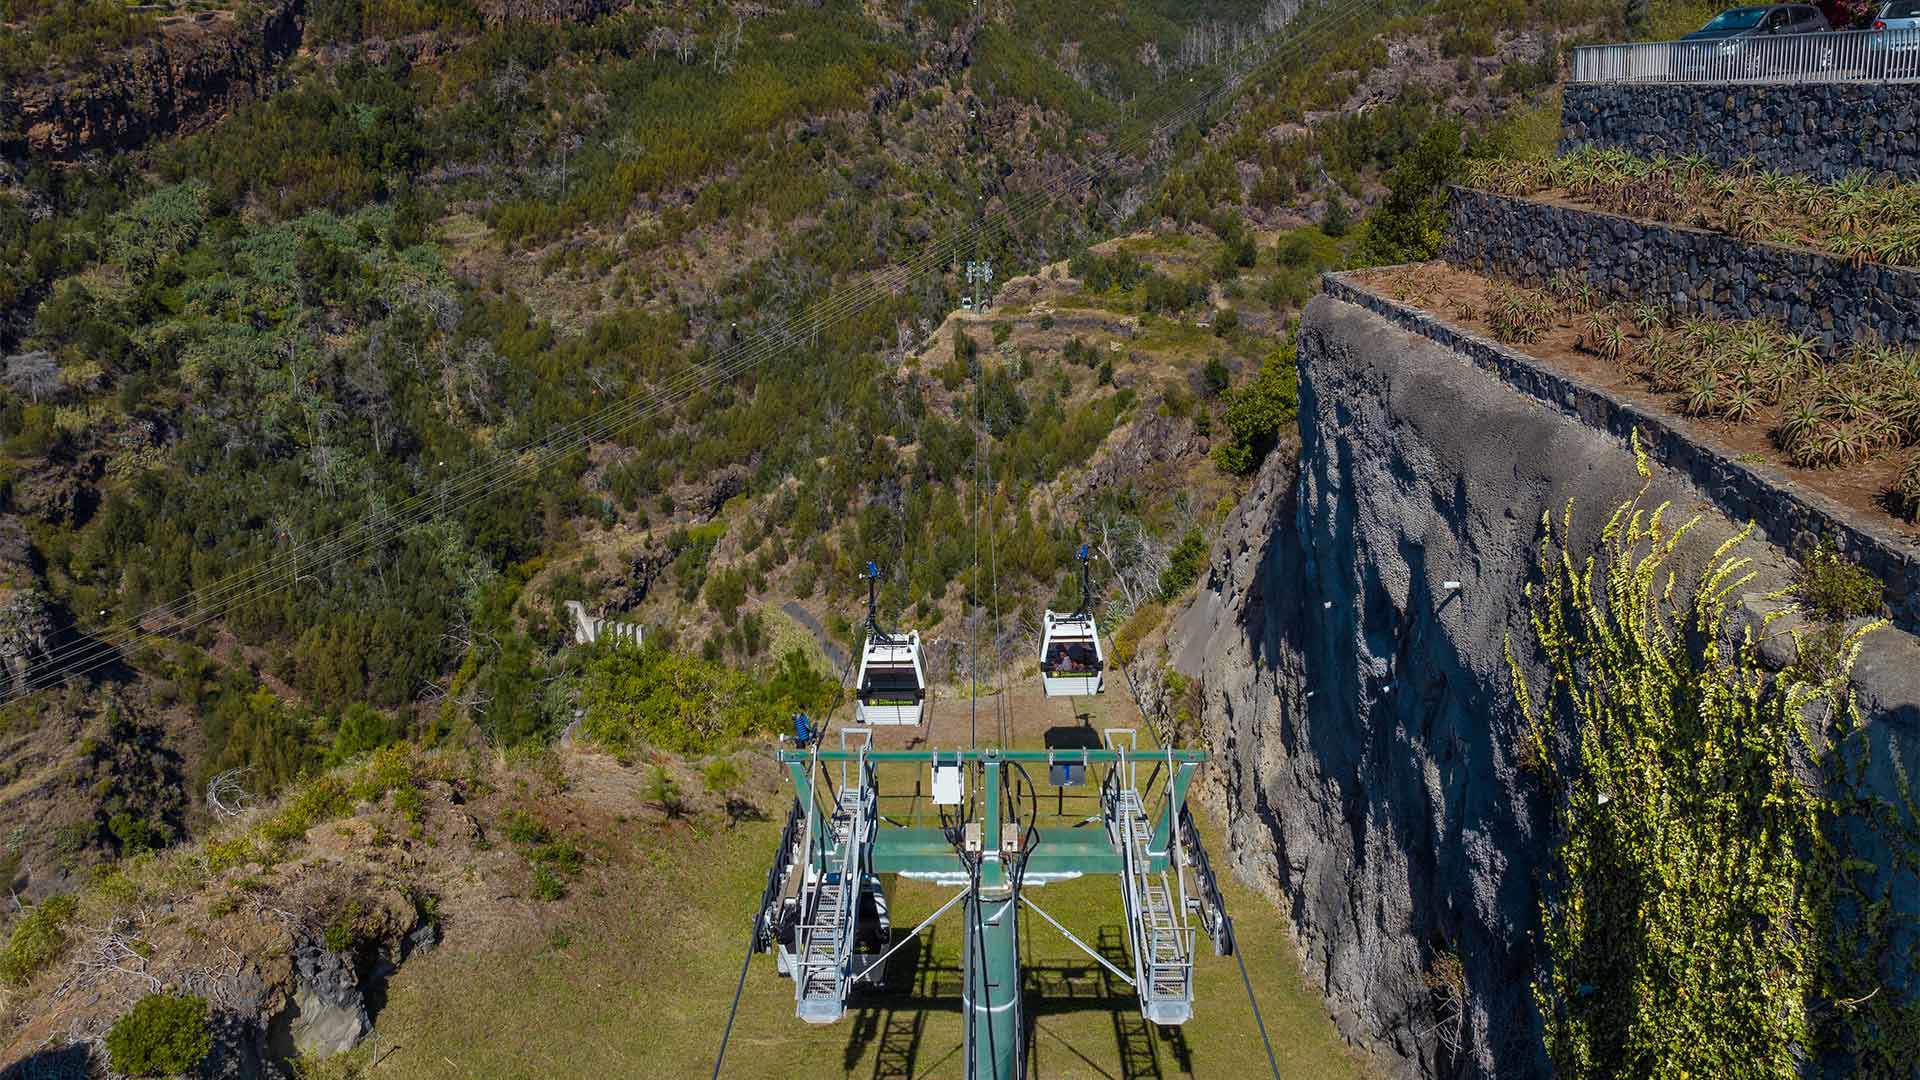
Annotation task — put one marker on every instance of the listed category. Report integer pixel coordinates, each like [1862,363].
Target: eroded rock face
[27,616]
[183,79]
[328,1010]
[1360,711]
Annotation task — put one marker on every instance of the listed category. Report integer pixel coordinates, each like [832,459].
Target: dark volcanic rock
[1824,129]
[1360,711]
[1691,270]
[183,79]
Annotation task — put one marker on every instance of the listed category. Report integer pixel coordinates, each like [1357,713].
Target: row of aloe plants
[1823,413]
[1859,218]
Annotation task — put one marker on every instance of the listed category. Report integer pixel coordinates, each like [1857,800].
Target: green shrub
[547,885]
[721,776]
[1189,557]
[1257,413]
[524,828]
[162,1035]
[687,704]
[1409,225]
[1835,589]
[36,939]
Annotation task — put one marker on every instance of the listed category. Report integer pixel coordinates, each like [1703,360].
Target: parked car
[1747,22]
[1738,41]
[1897,31]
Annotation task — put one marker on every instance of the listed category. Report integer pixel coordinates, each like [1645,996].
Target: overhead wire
[344,545]
[200,606]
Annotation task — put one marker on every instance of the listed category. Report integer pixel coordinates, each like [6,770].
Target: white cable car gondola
[1072,663]
[892,685]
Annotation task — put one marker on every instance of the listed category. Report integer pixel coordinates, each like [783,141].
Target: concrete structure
[588,629]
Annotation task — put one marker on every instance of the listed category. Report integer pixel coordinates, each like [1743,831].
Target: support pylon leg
[994,1030]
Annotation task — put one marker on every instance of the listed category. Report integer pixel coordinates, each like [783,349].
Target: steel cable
[103,648]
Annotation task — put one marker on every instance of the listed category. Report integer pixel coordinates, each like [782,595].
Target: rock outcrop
[185,78]
[27,615]
[1349,643]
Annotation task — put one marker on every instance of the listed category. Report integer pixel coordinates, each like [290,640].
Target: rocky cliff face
[27,616]
[1349,643]
[185,79]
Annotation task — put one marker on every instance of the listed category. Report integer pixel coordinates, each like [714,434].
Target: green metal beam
[1176,794]
[992,965]
[948,757]
[1059,850]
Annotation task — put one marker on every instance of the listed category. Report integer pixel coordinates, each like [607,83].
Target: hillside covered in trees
[407,252]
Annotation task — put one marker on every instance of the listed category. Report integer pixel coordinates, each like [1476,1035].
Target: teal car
[1896,33]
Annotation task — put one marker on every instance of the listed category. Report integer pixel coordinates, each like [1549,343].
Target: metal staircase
[1161,938]
[823,960]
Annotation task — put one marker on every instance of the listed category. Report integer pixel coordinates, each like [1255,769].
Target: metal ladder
[821,973]
[1162,940]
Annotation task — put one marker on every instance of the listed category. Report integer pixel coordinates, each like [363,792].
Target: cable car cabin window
[891,683]
[1071,656]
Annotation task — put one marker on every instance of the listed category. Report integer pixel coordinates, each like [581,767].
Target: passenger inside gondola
[1070,658]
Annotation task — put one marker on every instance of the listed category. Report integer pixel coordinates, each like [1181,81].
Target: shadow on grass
[892,1021]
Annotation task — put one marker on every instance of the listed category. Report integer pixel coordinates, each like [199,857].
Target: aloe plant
[1801,421]
[1838,443]
[1703,397]
[1877,431]
[1743,405]
[1906,489]
[1847,401]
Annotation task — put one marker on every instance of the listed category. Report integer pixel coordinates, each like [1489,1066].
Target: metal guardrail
[1833,57]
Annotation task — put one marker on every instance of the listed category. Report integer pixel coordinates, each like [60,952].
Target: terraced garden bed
[1858,218]
[1848,428]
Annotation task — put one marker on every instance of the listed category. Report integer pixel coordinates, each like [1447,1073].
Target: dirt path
[836,655]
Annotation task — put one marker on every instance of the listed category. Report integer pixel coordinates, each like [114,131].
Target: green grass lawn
[634,975]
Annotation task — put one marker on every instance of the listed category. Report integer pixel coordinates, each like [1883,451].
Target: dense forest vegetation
[398,272]
[237,343]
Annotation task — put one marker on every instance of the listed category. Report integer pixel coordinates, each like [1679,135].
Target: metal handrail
[1214,905]
[852,878]
[1829,57]
[776,877]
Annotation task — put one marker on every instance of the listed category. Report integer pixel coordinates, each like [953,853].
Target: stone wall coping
[1783,510]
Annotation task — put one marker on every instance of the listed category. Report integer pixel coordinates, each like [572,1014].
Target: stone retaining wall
[1692,270]
[1785,512]
[1825,129]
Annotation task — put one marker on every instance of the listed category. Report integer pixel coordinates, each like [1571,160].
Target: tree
[1410,224]
[362,729]
[722,776]
[664,793]
[1189,557]
[1338,219]
[1257,412]
[34,374]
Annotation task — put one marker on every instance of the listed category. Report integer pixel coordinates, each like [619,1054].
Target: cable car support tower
[825,917]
